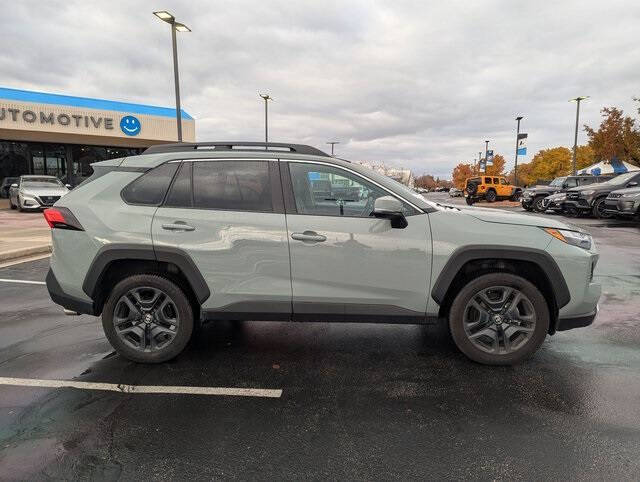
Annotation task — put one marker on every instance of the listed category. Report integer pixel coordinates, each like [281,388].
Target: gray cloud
[420,84]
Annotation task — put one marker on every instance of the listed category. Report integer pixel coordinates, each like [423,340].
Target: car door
[346,264]
[228,216]
[504,189]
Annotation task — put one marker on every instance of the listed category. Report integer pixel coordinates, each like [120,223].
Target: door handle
[178,226]
[311,236]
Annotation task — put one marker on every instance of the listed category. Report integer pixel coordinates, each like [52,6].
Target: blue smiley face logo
[130,125]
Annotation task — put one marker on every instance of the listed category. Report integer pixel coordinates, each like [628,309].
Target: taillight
[62,218]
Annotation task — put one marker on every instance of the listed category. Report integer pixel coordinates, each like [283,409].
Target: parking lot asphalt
[359,401]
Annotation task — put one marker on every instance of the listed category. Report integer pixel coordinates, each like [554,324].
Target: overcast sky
[410,83]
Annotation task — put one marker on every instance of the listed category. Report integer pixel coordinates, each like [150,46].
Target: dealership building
[61,135]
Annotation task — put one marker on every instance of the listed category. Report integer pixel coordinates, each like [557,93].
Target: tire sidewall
[467,347]
[185,313]
[491,196]
[596,212]
[537,204]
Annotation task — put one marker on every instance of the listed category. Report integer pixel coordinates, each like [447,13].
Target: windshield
[41,182]
[621,179]
[558,181]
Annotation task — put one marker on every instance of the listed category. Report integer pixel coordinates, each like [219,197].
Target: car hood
[44,191]
[592,187]
[535,189]
[500,216]
[627,190]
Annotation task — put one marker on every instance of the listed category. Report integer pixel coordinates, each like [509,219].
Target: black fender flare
[115,252]
[463,255]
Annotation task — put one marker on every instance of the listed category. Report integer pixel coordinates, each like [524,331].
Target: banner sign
[489,159]
[522,144]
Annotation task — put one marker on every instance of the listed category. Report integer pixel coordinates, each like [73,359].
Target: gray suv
[188,233]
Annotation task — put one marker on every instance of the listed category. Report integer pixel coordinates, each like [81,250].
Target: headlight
[635,194]
[588,192]
[575,238]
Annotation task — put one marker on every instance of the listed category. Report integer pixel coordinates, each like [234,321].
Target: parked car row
[34,192]
[600,196]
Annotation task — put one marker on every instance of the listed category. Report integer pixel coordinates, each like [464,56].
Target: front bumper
[527,202]
[622,206]
[580,204]
[65,300]
[581,321]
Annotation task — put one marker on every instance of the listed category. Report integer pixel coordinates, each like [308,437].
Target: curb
[22,252]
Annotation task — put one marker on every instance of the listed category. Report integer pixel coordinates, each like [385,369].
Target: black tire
[11,205]
[491,196]
[516,196]
[528,348]
[598,207]
[469,201]
[537,204]
[183,310]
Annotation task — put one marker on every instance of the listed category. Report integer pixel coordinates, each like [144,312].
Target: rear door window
[232,185]
[150,188]
[180,191]
[487,180]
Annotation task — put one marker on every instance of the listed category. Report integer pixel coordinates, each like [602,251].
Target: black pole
[266,122]
[176,80]
[515,169]
[486,153]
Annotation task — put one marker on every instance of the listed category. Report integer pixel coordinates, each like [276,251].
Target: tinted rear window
[150,188]
[235,185]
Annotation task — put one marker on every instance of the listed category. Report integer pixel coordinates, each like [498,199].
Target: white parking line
[23,281]
[122,388]
[26,259]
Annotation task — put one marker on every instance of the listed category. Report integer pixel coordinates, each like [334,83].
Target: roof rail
[236,146]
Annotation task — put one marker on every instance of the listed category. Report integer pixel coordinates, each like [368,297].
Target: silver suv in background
[36,192]
[188,233]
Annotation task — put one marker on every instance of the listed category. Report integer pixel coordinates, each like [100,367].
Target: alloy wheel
[146,319]
[499,319]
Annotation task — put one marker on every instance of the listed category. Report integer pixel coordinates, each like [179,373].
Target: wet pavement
[359,401]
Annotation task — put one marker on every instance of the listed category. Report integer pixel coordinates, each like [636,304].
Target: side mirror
[388,207]
[565,185]
[632,184]
[68,186]
[14,185]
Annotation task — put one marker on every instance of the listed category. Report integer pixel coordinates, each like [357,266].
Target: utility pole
[515,169]
[577,100]
[266,98]
[479,161]
[333,143]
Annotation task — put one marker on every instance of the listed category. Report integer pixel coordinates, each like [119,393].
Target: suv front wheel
[147,319]
[499,319]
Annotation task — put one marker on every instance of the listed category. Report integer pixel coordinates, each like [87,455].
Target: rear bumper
[65,300]
[581,321]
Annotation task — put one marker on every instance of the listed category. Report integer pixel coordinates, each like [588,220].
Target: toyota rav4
[158,243]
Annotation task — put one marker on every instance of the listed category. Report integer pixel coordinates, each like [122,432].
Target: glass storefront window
[14,158]
[55,160]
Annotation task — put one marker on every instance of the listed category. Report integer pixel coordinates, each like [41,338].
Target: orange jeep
[491,188]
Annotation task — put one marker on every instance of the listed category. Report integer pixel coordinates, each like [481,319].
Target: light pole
[515,169]
[577,100]
[486,154]
[479,162]
[266,98]
[180,27]
[333,143]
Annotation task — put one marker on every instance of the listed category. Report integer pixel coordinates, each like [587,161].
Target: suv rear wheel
[499,319]
[599,209]
[147,319]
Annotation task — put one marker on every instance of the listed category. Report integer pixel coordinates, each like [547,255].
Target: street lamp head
[266,97]
[578,99]
[165,16]
[181,27]
[519,117]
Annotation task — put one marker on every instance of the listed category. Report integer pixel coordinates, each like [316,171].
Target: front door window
[328,191]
